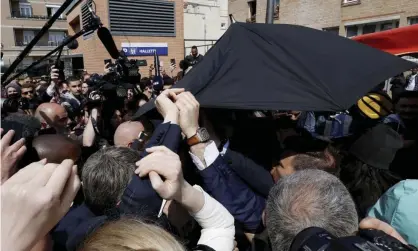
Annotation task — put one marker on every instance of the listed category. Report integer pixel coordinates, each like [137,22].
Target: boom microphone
[107,40]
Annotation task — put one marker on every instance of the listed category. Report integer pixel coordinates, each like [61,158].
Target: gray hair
[308,198]
[105,176]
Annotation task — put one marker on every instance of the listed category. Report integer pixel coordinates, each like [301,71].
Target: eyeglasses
[139,143]
[26,93]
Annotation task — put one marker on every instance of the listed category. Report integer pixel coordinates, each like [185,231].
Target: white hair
[309,198]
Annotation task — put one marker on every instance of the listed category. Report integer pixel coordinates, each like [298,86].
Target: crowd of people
[80,172]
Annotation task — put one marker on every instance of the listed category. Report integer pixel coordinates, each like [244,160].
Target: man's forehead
[75,82]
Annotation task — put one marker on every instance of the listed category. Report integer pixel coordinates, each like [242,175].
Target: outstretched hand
[10,154]
[189,113]
[165,104]
[34,200]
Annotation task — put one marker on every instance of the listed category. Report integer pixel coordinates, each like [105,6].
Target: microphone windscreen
[72,45]
[107,40]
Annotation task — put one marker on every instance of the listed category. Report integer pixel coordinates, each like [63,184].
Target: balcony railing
[39,44]
[16,14]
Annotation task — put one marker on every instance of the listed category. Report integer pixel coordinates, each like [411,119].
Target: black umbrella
[286,67]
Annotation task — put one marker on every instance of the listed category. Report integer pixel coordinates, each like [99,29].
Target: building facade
[20,22]
[139,27]
[253,11]
[205,21]
[349,17]
[344,17]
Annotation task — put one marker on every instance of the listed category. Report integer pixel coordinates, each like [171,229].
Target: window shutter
[142,18]
[86,16]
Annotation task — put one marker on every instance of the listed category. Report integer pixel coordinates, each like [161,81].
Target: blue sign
[145,49]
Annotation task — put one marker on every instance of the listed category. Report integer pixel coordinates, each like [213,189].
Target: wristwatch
[201,136]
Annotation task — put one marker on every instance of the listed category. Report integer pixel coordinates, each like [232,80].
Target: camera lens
[9,105]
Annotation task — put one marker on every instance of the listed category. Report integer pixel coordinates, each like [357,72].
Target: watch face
[203,134]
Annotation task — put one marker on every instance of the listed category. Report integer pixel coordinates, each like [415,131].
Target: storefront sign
[145,49]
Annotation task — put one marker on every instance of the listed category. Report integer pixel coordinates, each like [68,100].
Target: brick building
[141,26]
[350,17]
[249,10]
[344,17]
[21,20]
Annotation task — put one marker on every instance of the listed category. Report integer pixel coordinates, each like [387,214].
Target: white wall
[204,20]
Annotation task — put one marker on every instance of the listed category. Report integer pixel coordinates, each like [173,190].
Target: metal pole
[65,42]
[270,11]
[35,40]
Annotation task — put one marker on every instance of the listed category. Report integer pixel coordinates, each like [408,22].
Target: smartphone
[107,61]
[173,61]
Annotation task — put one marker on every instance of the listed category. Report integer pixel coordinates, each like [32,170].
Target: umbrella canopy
[398,41]
[286,67]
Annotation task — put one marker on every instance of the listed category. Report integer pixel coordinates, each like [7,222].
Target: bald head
[56,148]
[52,114]
[127,132]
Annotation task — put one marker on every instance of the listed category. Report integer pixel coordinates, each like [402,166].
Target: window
[142,17]
[51,9]
[387,26]
[28,36]
[352,31]
[350,2]
[413,20]
[55,38]
[25,9]
[252,9]
[369,28]
[333,30]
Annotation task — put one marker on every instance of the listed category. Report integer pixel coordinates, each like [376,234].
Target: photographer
[57,90]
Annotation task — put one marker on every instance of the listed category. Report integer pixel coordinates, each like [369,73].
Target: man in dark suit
[139,198]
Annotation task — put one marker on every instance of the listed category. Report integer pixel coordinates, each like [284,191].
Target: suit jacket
[253,174]
[225,186]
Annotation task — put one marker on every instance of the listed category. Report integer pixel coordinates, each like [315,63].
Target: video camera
[315,239]
[11,105]
[124,70]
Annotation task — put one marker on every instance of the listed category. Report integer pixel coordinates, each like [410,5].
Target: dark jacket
[223,184]
[253,174]
[194,60]
[139,199]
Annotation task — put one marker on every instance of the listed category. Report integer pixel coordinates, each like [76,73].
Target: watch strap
[194,140]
